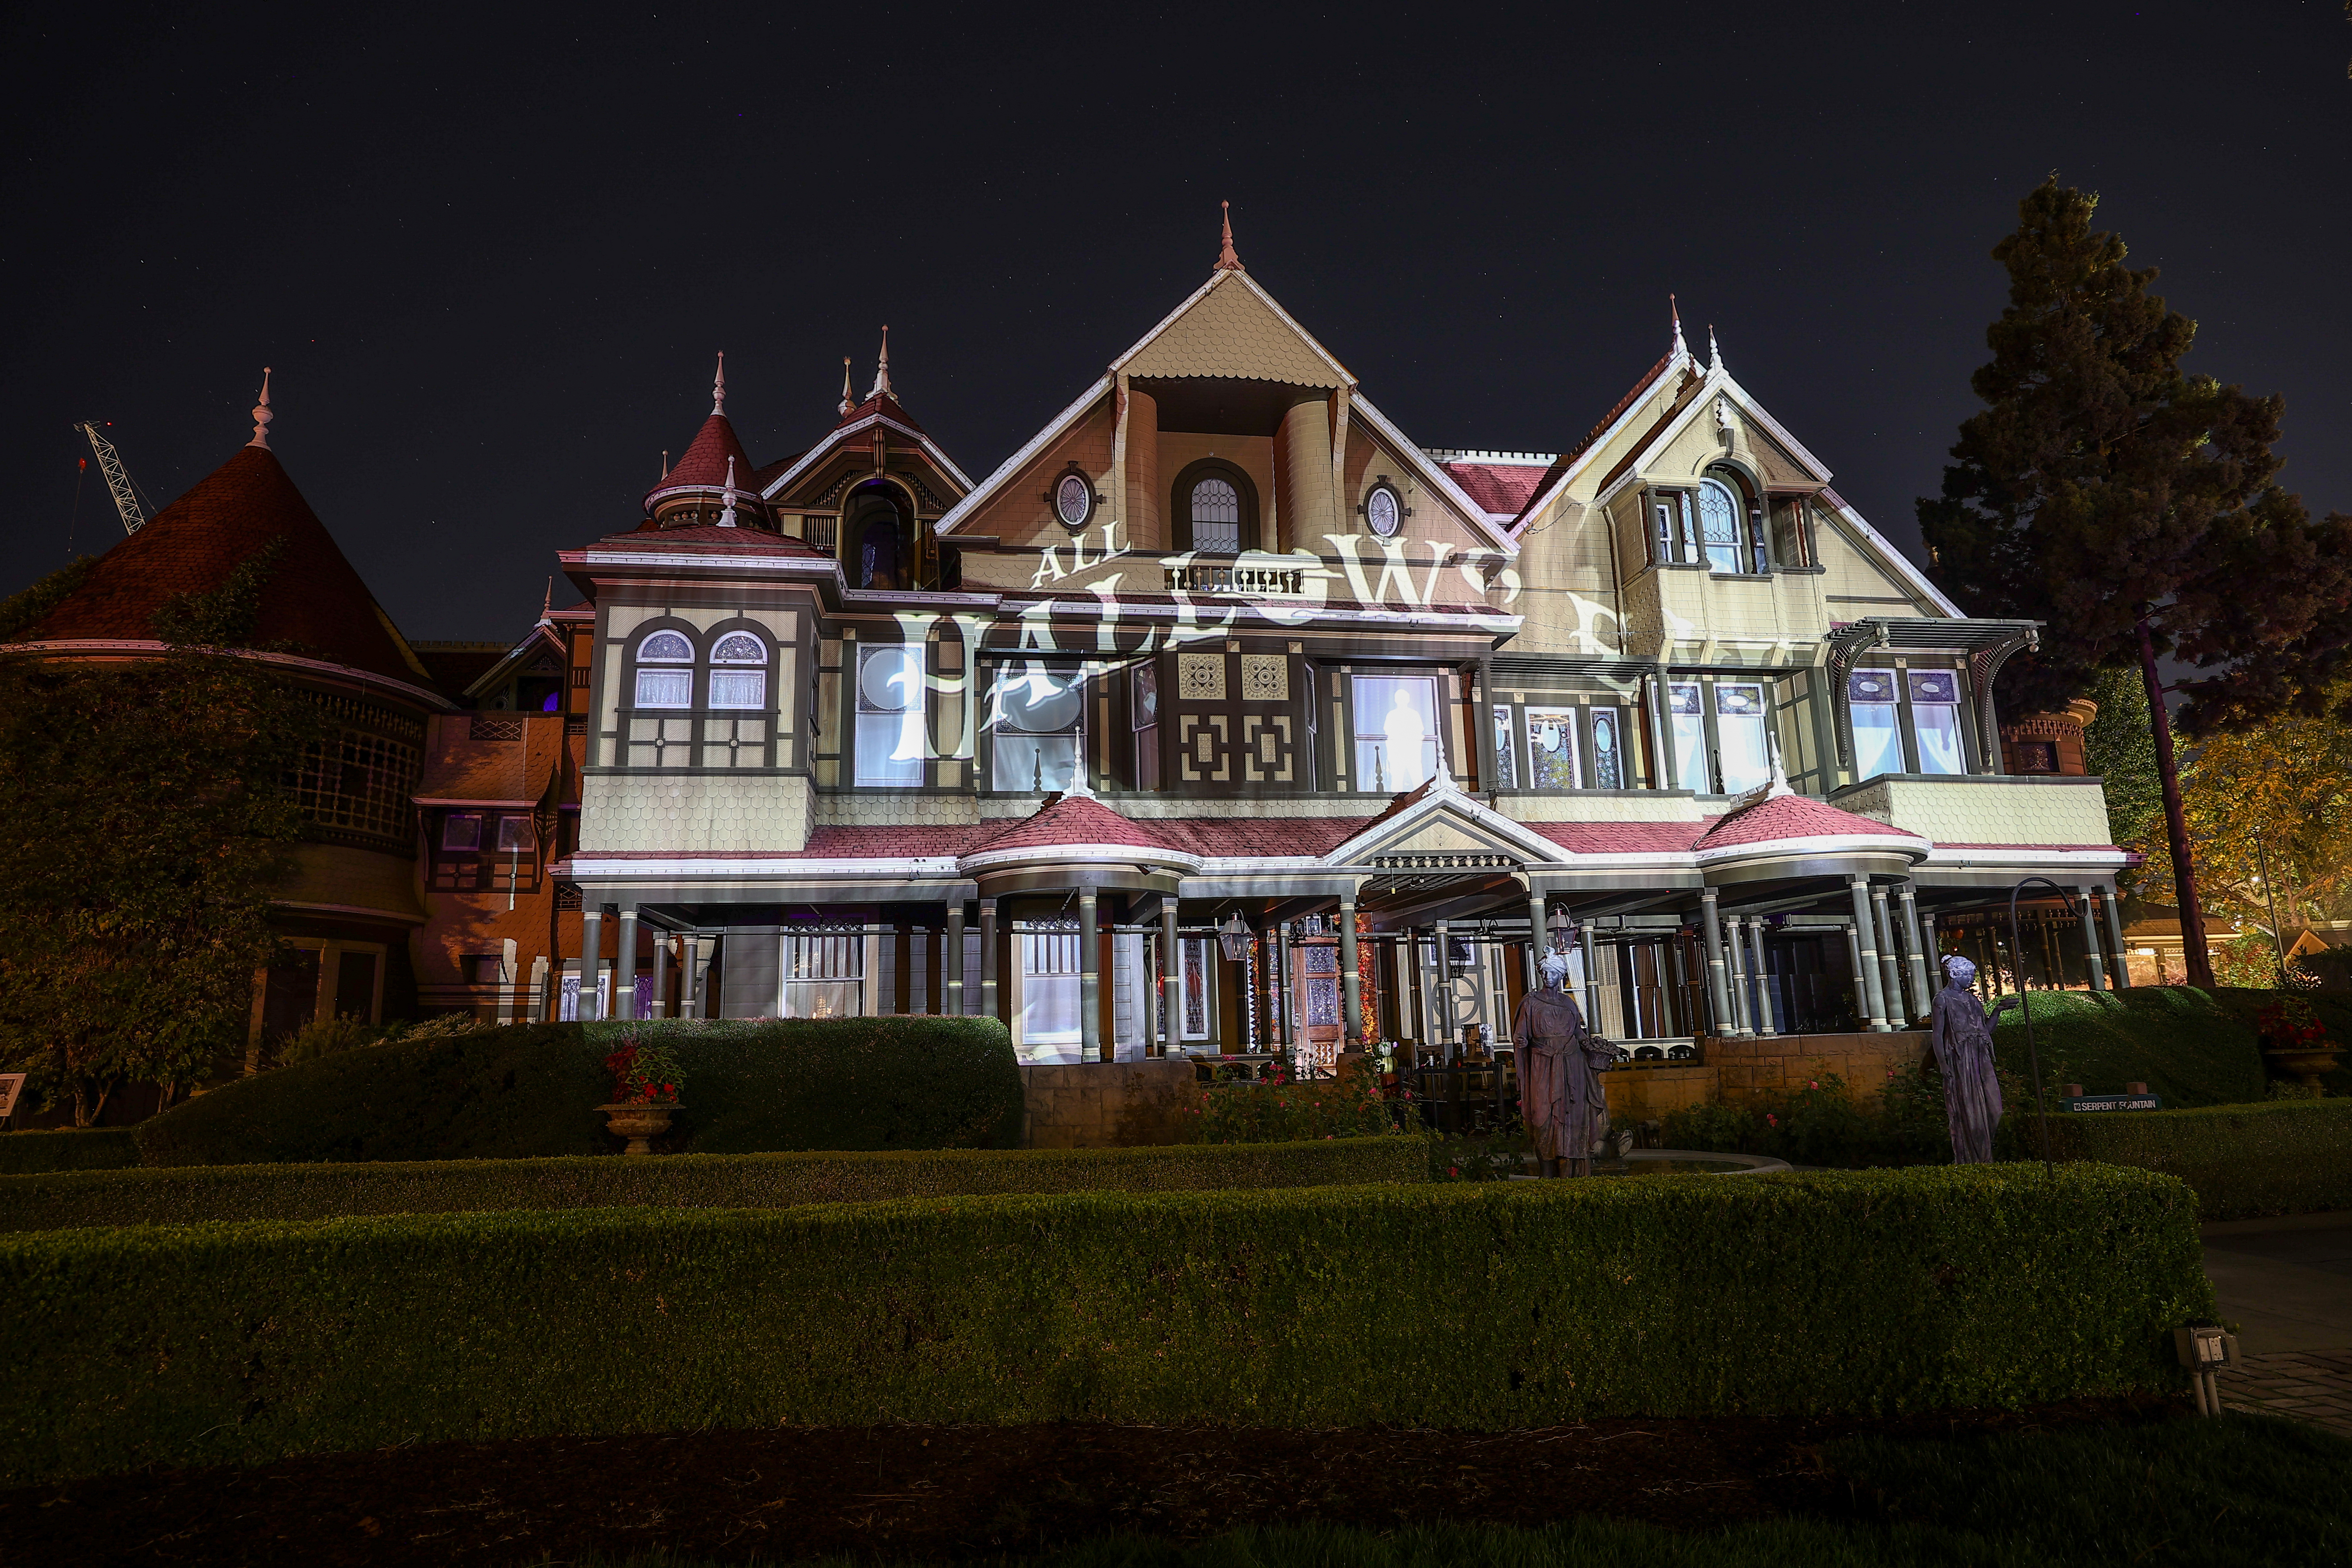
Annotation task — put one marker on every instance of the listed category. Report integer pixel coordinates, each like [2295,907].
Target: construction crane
[117,478]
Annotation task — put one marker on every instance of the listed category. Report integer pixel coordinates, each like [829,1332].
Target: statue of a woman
[1559,1065]
[1961,1037]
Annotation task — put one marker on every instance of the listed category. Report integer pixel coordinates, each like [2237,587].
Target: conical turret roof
[312,599]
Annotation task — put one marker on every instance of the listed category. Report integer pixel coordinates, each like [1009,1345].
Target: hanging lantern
[1562,929]
[1234,938]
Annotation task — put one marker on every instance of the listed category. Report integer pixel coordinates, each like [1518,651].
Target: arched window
[739,688]
[1719,524]
[1217,513]
[660,687]
[877,539]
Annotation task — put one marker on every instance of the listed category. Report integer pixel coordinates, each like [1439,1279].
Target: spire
[261,414]
[1226,261]
[1714,355]
[847,402]
[664,473]
[882,370]
[719,386]
[547,602]
[727,516]
[1676,312]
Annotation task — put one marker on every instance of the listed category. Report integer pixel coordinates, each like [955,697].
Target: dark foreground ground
[960,1492]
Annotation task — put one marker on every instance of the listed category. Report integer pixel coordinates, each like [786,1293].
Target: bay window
[889,741]
[664,688]
[1035,715]
[739,675]
[1396,731]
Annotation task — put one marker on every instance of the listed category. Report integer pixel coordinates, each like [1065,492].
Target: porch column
[1890,961]
[1150,945]
[1282,985]
[691,967]
[1539,942]
[661,971]
[2098,969]
[1591,998]
[1926,971]
[1351,985]
[1853,964]
[1718,992]
[1870,998]
[1171,971]
[953,1001]
[988,959]
[592,928]
[1765,1025]
[625,966]
[2115,935]
[1090,1040]
[1742,1023]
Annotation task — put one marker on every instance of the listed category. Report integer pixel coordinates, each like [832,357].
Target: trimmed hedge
[68,1148]
[2285,1156]
[530,1092]
[194,1194]
[1490,1306]
[2184,1044]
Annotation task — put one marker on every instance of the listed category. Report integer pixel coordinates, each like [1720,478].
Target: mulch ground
[941,1493]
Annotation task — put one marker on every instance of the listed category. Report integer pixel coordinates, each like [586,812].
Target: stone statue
[1559,1063]
[1961,1037]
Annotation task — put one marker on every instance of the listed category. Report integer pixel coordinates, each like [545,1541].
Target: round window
[1382,510]
[1074,500]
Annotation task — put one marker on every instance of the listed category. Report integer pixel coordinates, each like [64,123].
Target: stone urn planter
[636,1123]
[2303,1062]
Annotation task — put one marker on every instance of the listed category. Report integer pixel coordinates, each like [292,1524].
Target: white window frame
[1374,774]
[885,736]
[1001,729]
[658,673]
[726,671]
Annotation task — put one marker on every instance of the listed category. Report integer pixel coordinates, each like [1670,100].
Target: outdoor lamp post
[2025,1006]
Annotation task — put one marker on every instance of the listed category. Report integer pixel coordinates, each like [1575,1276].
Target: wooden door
[1317,998]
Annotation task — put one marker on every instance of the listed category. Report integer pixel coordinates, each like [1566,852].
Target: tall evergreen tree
[2130,507]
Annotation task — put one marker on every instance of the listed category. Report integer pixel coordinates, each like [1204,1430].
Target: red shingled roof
[705,462]
[1504,488]
[1621,837]
[889,843]
[884,404]
[1782,816]
[312,599]
[1072,819]
[1258,835]
[704,537]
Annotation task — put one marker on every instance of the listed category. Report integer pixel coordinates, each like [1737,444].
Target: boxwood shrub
[2286,1156]
[194,1194]
[68,1148]
[1488,1306]
[2182,1043]
[530,1091]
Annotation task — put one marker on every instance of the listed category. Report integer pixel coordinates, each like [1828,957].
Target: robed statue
[1961,1037]
[1559,1065]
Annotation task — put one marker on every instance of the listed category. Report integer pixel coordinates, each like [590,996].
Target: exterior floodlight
[1234,938]
[2204,1350]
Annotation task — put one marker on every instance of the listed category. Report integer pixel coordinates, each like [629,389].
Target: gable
[1447,824]
[1232,330]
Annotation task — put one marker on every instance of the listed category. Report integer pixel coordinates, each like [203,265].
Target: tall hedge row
[68,1148]
[530,1092]
[1482,1306]
[192,1194]
[2184,1044]
[2286,1156]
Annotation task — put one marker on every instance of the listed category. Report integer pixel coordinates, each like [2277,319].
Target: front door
[1317,998]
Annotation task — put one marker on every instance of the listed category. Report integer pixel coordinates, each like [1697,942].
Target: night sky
[489,258]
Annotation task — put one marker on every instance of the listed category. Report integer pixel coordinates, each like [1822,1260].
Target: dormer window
[737,687]
[660,687]
[1719,524]
[1216,518]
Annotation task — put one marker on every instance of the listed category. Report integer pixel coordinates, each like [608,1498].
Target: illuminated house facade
[1223,660]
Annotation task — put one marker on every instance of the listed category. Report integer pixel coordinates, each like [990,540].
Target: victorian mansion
[1221,715]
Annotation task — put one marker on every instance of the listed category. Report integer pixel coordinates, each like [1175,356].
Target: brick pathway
[2308,1386]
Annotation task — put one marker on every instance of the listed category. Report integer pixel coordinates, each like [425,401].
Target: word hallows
[1221,714]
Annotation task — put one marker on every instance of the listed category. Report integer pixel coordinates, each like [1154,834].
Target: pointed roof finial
[1226,261]
[665,463]
[547,602]
[261,414]
[847,402]
[1714,355]
[882,370]
[1676,312]
[719,385]
[727,516]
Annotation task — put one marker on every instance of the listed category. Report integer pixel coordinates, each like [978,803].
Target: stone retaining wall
[1768,1067]
[1105,1105]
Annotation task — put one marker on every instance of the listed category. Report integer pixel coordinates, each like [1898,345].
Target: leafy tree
[21,612]
[149,823]
[2130,507]
[2269,808]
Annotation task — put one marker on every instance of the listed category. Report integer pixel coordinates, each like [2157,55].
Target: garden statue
[1559,1065]
[1962,1040]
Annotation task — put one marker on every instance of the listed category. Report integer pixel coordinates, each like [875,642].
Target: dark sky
[490,257]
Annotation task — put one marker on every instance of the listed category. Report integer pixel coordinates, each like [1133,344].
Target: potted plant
[2295,1040]
[646,1082]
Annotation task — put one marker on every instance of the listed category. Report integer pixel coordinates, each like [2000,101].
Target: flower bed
[1487,1307]
[194,1194]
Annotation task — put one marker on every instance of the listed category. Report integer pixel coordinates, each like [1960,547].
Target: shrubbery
[2288,1156]
[1489,1307]
[1287,1110]
[194,1194]
[530,1091]
[1821,1122]
[2187,1046]
[68,1148]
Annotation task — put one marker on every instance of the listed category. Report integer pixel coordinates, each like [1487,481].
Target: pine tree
[2131,509]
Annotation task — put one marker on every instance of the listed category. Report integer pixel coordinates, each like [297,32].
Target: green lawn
[2201,1494]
